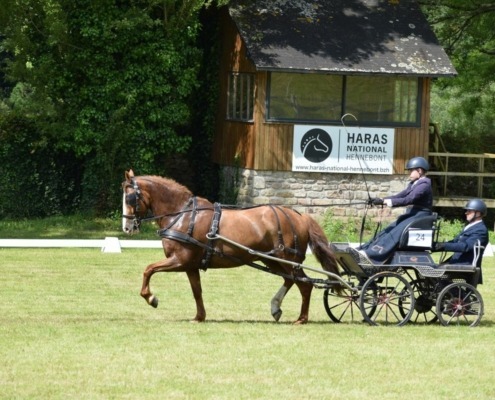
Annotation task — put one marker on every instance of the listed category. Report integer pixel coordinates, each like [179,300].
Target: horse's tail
[321,247]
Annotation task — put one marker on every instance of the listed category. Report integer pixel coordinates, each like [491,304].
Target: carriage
[197,234]
[410,287]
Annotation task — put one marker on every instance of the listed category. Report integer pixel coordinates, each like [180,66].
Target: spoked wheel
[460,304]
[343,306]
[424,303]
[387,298]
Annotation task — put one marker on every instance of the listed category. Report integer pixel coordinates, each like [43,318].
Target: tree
[465,106]
[112,81]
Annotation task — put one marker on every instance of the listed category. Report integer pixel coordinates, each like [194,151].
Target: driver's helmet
[418,162]
[476,205]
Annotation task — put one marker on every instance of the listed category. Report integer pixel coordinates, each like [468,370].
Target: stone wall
[344,195]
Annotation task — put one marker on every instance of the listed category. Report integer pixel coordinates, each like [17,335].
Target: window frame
[350,121]
[240,85]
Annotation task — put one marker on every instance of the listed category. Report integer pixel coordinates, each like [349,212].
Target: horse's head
[134,204]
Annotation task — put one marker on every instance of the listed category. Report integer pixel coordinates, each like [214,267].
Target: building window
[310,97]
[319,98]
[382,99]
[240,97]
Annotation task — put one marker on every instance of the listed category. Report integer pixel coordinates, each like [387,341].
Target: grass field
[72,325]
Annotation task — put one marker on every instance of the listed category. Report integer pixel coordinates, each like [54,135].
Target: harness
[186,237]
[168,232]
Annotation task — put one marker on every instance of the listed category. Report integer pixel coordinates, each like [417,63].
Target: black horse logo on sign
[316,145]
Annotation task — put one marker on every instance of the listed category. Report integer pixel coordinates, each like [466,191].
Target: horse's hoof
[301,322]
[153,301]
[277,314]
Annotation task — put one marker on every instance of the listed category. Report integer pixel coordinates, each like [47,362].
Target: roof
[340,36]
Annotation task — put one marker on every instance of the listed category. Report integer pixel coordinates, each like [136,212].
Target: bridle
[132,199]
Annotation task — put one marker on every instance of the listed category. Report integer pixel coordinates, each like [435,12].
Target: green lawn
[71,227]
[73,326]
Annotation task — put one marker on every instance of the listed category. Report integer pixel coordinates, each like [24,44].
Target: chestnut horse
[193,232]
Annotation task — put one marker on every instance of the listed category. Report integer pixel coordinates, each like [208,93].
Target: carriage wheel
[343,306]
[460,304]
[385,297]
[424,304]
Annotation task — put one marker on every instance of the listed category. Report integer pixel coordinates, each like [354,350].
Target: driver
[418,196]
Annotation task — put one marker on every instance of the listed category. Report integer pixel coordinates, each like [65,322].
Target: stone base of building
[344,195]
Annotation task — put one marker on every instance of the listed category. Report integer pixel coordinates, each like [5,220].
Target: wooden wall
[232,139]
[263,145]
[412,142]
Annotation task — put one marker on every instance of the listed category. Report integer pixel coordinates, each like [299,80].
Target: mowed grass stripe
[72,325]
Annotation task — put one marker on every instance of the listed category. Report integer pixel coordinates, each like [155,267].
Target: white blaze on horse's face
[128,224]
[124,212]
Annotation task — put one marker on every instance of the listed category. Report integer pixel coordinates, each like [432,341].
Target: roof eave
[350,71]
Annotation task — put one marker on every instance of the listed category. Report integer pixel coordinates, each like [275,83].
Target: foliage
[32,172]
[464,106]
[112,82]
[348,229]
[230,181]
[206,103]
[450,229]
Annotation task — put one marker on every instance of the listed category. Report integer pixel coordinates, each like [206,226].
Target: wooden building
[308,63]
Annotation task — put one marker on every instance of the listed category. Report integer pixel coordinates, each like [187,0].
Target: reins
[368,203]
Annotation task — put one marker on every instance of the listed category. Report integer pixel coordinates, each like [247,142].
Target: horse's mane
[168,182]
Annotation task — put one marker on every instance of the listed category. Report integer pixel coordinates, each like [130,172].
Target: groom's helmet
[476,205]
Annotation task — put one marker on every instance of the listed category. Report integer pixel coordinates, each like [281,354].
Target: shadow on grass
[483,324]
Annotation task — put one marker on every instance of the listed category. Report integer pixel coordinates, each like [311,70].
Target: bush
[36,179]
[346,229]
[449,229]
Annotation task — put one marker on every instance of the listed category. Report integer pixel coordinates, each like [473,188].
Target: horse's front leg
[166,265]
[195,281]
[173,265]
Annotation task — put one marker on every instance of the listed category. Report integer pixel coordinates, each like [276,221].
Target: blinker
[131,199]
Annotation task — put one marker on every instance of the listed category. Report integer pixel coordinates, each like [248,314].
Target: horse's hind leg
[195,281]
[305,288]
[276,302]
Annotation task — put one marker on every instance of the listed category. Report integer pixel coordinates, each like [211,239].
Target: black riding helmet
[417,162]
[476,205]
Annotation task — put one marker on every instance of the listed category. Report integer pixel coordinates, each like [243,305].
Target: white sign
[350,150]
[420,238]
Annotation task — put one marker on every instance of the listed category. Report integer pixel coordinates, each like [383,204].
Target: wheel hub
[423,304]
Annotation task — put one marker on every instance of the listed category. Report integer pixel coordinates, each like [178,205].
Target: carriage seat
[418,234]
[471,273]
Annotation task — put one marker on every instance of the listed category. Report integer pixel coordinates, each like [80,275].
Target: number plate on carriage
[420,238]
